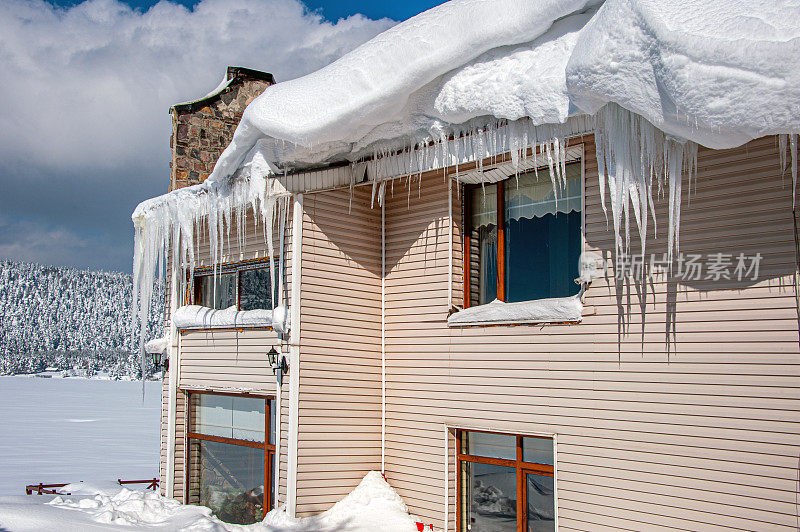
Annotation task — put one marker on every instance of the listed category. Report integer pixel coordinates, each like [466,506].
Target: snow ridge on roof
[473,78]
[718,73]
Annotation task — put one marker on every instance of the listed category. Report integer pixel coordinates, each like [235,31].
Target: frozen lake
[68,430]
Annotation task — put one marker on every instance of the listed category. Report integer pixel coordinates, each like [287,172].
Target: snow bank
[327,112]
[717,73]
[197,317]
[551,310]
[373,506]
[138,508]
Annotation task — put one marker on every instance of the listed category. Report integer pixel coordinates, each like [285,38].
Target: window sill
[552,310]
[157,346]
[197,317]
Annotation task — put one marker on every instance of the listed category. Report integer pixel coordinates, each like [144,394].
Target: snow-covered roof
[474,78]
[717,73]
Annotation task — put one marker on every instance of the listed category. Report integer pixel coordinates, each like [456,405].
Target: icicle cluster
[476,142]
[635,159]
[170,226]
[791,141]
[632,155]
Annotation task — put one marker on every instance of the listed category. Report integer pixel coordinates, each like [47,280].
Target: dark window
[245,286]
[231,454]
[522,243]
[254,292]
[215,291]
[505,482]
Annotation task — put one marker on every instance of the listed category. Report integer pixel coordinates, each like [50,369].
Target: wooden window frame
[269,449]
[466,229]
[521,467]
[192,286]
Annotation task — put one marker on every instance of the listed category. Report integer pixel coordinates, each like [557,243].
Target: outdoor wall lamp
[160,361]
[278,364]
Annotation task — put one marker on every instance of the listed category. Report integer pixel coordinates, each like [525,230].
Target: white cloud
[88,88]
[84,95]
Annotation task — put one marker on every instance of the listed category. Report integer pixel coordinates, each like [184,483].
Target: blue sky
[84,128]
[397,10]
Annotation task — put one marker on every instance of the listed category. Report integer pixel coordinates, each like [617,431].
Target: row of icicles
[635,159]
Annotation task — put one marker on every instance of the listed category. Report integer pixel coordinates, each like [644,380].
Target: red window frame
[193,288]
[269,449]
[522,468]
[466,229]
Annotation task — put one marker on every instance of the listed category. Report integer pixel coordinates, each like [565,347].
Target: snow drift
[373,506]
[471,78]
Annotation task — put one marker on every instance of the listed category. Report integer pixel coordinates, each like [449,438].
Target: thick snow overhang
[472,78]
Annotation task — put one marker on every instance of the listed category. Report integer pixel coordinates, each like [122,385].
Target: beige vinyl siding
[340,394]
[180,446]
[674,410]
[163,435]
[164,430]
[226,359]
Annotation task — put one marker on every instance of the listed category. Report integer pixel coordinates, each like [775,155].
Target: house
[462,314]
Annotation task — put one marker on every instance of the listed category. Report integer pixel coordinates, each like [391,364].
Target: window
[244,286]
[521,242]
[231,442]
[505,482]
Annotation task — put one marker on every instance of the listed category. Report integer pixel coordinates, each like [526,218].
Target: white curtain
[528,197]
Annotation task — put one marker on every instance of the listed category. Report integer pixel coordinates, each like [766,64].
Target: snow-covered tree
[70,319]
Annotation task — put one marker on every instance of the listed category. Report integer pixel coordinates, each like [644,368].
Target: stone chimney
[201,129]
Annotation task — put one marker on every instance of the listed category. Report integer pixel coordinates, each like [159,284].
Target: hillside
[74,320]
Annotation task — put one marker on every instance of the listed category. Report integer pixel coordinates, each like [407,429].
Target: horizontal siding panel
[339,415]
[672,420]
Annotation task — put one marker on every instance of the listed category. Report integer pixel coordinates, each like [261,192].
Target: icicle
[793,145]
[630,152]
[174,222]
[284,203]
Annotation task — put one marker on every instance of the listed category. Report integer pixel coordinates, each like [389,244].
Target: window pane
[489,445]
[489,498]
[541,507]
[272,414]
[542,236]
[215,291]
[242,418]
[537,450]
[229,479]
[483,205]
[483,248]
[254,292]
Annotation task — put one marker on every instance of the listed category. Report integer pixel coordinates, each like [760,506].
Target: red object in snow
[420,526]
[152,483]
[44,489]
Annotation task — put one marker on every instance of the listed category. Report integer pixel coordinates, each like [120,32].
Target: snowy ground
[372,507]
[70,430]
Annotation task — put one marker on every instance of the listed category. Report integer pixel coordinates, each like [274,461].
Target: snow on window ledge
[156,345]
[198,317]
[551,310]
